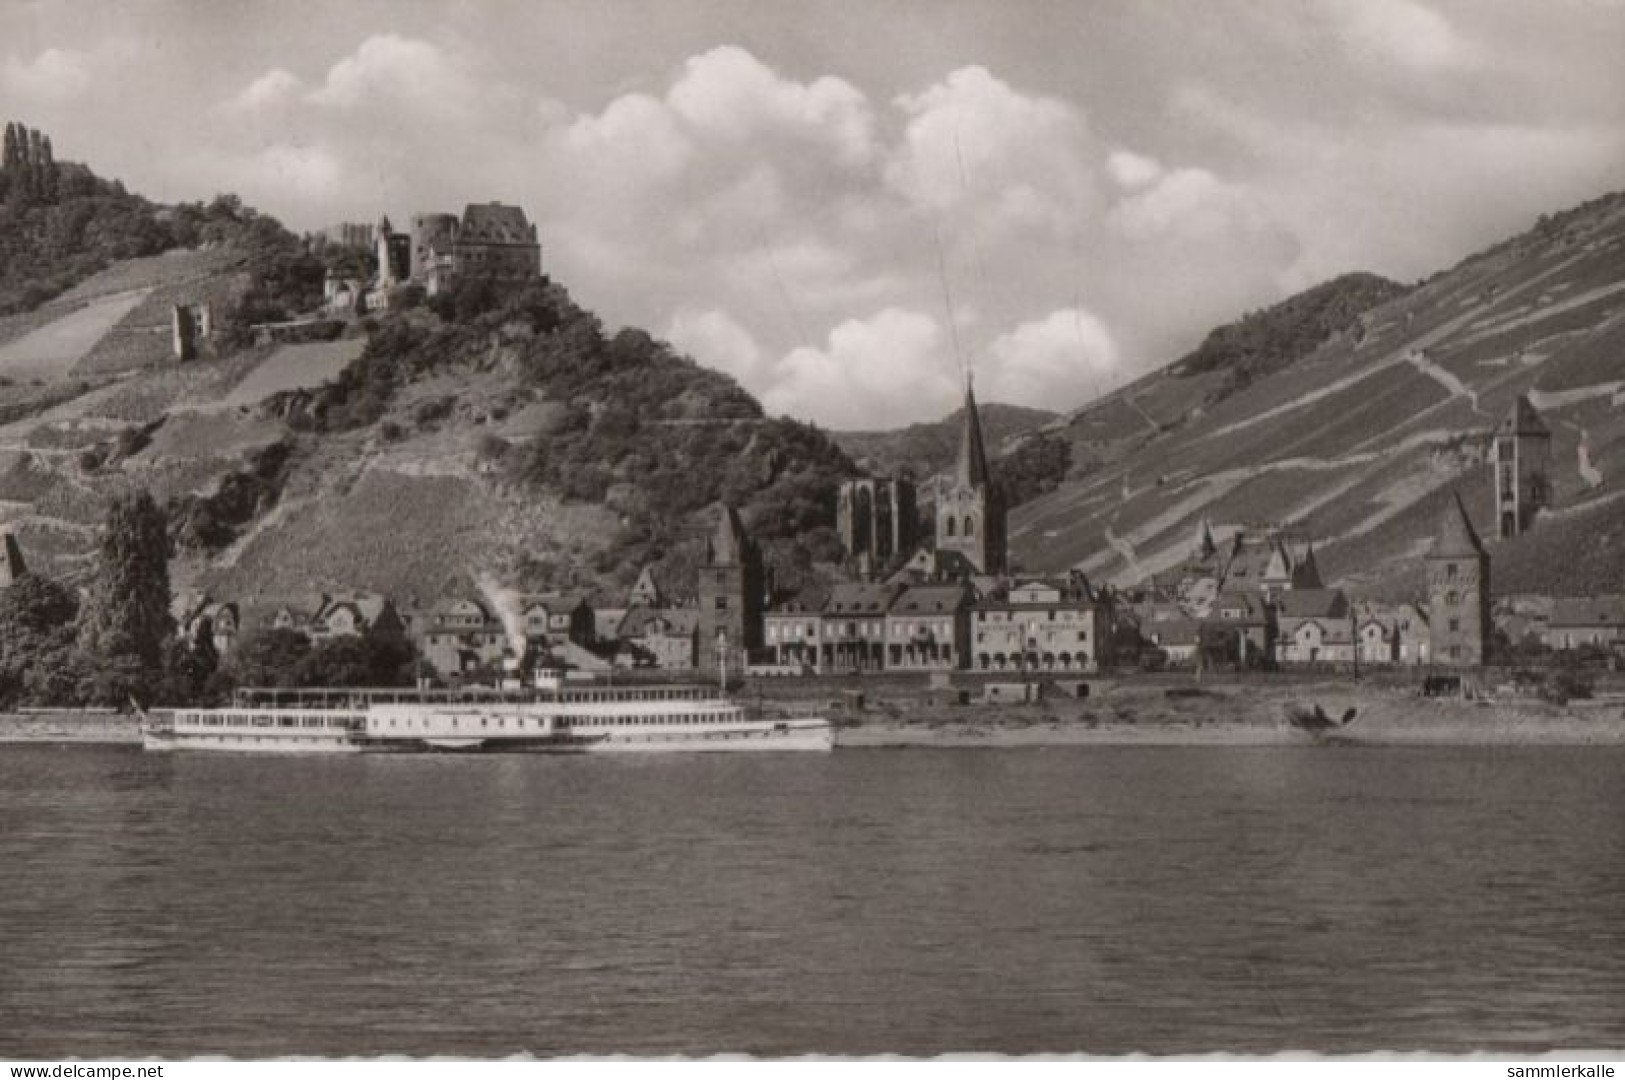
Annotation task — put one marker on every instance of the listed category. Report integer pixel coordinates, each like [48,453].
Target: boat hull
[806,737]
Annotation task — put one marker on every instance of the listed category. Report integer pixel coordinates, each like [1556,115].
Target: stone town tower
[970,509]
[1522,455]
[730,595]
[1458,591]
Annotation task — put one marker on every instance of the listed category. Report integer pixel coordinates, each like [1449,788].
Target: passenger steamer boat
[552,717]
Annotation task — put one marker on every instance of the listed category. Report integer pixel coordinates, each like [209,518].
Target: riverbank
[1117,712]
[69,726]
[1235,714]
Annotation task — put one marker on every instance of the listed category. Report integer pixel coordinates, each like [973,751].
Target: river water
[1100,900]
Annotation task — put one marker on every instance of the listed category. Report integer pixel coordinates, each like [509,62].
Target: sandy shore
[1240,715]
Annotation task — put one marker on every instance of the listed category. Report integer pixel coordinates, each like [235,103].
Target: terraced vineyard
[1360,441]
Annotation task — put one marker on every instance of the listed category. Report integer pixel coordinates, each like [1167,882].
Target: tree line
[118,641]
[28,172]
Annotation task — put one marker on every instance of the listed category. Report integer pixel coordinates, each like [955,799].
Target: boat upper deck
[362,698]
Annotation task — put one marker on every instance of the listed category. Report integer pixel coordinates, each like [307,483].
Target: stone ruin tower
[1522,455]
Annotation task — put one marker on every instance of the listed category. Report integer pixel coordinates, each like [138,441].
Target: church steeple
[970,511]
[972,470]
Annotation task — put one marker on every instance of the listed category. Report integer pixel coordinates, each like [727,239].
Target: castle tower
[11,558]
[970,509]
[730,595]
[1522,454]
[1458,591]
[387,276]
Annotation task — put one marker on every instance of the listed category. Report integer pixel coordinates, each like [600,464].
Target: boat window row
[267,720]
[523,724]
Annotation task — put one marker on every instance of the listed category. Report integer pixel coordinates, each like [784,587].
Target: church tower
[1522,454]
[730,594]
[1458,591]
[970,509]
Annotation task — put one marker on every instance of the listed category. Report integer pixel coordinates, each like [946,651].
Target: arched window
[950,529]
[970,525]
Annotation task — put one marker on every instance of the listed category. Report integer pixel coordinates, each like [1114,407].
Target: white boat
[551,718]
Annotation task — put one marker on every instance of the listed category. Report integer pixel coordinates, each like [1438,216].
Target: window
[1449,570]
[1455,624]
[722,603]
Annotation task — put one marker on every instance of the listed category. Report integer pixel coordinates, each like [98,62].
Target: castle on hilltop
[490,240]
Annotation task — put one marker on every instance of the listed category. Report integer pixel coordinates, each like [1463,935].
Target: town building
[791,628]
[460,636]
[852,626]
[970,512]
[1286,571]
[647,591]
[1578,621]
[663,638]
[1391,634]
[349,234]
[554,618]
[197,613]
[353,615]
[1458,570]
[1041,626]
[1314,627]
[1521,455]
[877,521]
[928,628]
[1244,627]
[730,590]
[1178,638]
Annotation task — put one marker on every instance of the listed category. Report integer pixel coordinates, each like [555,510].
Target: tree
[190,664]
[36,641]
[365,660]
[267,656]
[1035,467]
[127,611]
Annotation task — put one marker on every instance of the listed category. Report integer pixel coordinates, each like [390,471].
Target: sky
[848,204]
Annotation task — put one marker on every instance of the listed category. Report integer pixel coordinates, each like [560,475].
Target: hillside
[927,449]
[1360,439]
[485,434]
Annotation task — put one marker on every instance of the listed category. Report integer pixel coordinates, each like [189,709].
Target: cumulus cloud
[1403,32]
[1132,170]
[887,369]
[1192,203]
[973,140]
[716,339]
[389,70]
[275,88]
[54,76]
[729,94]
[1066,358]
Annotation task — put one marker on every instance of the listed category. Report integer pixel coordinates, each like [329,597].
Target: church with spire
[970,508]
